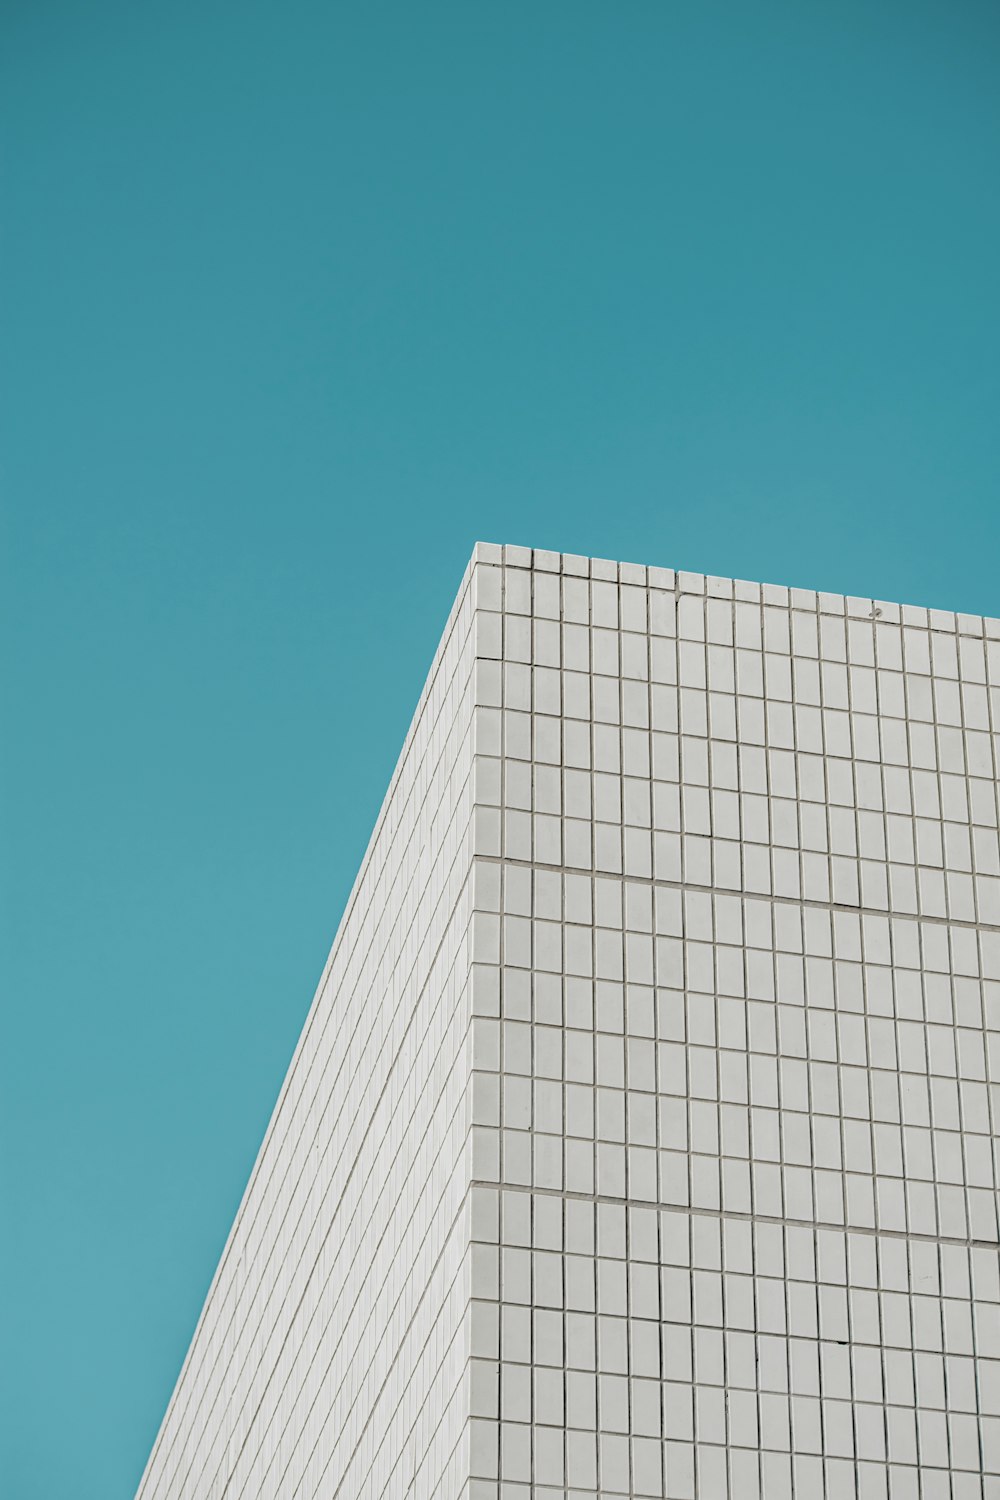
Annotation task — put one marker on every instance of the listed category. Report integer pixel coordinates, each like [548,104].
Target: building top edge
[736,589]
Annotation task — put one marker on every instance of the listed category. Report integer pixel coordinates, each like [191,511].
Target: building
[641,1140]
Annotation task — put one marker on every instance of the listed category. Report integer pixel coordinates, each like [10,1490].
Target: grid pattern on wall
[736,1052]
[642,1137]
[330,1357]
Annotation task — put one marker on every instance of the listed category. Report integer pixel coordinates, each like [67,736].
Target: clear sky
[299,300]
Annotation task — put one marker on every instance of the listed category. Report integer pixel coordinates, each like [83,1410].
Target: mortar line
[659,1205]
[714,890]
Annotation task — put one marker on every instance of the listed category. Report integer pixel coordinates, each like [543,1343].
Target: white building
[641,1140]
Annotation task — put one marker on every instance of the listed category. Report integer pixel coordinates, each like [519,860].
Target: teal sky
[299,300]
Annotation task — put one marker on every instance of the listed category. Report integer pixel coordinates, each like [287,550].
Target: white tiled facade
[641,1140]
